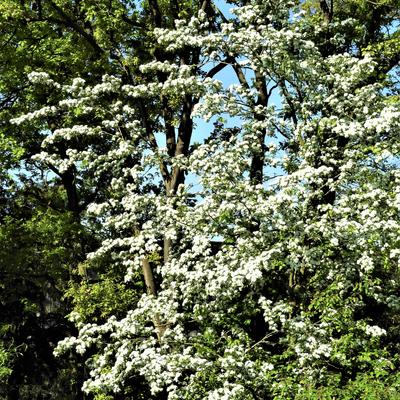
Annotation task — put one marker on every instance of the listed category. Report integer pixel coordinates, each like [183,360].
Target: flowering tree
[269,251]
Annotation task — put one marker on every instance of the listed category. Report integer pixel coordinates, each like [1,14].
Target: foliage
[100,300]
[5,362]
[258,261]
[36,259]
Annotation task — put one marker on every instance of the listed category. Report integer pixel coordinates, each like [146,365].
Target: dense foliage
[199,203]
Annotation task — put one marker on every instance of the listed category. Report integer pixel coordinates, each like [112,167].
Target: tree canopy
[199,203]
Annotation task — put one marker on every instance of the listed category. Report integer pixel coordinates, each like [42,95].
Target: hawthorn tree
[268,247]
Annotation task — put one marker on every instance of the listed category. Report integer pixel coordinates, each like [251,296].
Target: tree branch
[219,67]
[68,21]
